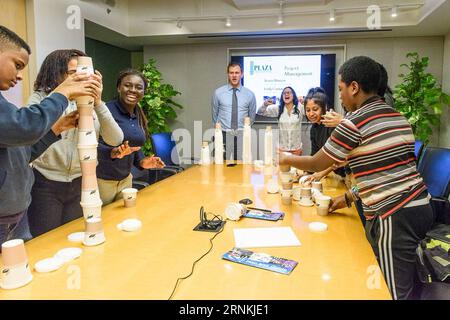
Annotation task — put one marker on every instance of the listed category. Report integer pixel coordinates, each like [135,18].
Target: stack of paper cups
[205,158]
[306,197]
[268,146]
[87,149]
[85,65]
[218,144]
[247,142]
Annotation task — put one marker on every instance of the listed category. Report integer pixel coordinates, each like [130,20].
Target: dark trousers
[53,203]
[9,227]
[359,208]
[394,241]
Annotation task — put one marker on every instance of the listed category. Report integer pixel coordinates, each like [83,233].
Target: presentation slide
[266,76]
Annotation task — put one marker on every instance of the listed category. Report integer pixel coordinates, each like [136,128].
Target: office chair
[144,178]
[434,168]
[165,148]
[418,150]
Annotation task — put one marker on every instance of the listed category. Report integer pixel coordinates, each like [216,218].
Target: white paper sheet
[265,237]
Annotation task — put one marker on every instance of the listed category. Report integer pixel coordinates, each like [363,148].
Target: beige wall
[196,70]
[13,16]
[444,134]
[48,24]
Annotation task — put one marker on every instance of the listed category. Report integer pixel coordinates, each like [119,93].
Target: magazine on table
[264,215]
[260,260]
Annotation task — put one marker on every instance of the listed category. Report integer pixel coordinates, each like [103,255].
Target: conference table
[336,264]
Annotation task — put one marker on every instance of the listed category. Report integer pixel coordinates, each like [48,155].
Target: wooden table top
[336,264]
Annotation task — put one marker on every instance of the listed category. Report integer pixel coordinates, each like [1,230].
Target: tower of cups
[247,142]
[87,149]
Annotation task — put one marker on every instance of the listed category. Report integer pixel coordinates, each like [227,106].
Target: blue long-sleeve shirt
[222,101]
[24,135]
[119,169]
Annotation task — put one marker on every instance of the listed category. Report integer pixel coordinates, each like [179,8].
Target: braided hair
[142,119]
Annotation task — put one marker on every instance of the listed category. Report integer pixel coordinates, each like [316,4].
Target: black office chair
[434,167]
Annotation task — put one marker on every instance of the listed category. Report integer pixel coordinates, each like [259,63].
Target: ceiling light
[394,12]
[280,15]
[280,19]
[332,15]
[228,22]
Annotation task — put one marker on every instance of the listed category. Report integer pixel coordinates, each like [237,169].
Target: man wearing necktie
[230,104]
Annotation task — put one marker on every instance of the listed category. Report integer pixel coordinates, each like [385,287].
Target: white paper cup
[286,201]
[15,271]
[15,276]
[88,167]
[86,123]
[85,65]
[317,185]
[286,177]
[259,164]
[92,210]
[315,193]
[305,192]
[90,196]
[87,138]
[323,205]
[85,109]
[234,211]
[306,201]
[322,211]
[272,186]
[323,201]
[86,152]
[296,193]
[89,182]
[286,193]
[129,197]
[85,101]
[287,186]
[93,234]
[303,182]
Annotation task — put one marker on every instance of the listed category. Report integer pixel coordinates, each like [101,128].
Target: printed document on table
[265,237]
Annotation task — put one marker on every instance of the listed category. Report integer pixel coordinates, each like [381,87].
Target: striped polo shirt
[379,144]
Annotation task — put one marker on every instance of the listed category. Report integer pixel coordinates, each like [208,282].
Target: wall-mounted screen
[267,75]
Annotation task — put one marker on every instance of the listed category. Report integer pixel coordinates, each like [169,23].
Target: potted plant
[157,103]
[419,97]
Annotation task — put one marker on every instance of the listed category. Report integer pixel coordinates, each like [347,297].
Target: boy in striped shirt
[378,143]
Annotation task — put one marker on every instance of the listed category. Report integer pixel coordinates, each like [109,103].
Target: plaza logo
[258,68]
